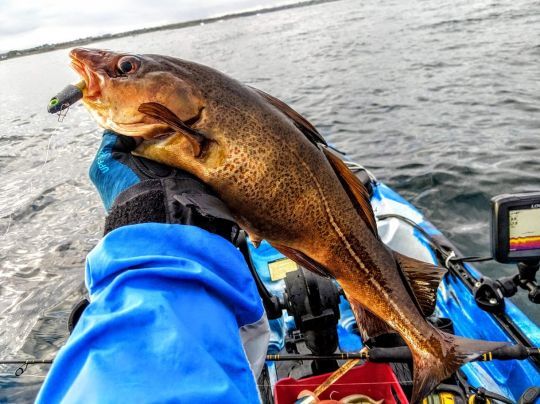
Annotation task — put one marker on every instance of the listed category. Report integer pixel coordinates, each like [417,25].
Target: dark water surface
[440,99]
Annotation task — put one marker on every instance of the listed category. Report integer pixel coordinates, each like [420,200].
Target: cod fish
[282,183]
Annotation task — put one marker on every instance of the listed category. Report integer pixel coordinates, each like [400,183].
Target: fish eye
[127,65]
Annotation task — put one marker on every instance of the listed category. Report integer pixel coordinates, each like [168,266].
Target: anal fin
[369,325]
[302,259]
[424,279]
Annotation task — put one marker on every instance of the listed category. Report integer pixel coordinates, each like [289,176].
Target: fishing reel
[313,301]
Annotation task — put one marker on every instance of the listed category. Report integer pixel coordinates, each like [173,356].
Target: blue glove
[137,190]
[115,169]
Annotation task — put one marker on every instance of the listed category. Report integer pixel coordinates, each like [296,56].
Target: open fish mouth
[93,88]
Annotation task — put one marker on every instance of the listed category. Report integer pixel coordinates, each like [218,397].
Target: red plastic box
[376,380]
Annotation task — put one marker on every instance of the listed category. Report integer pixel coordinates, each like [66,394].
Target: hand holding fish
[137,190]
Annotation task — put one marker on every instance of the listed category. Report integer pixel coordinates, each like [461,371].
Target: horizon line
[176,25]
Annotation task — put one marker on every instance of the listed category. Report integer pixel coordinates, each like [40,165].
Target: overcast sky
[28,23]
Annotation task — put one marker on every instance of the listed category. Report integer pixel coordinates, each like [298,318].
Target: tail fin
[431,367]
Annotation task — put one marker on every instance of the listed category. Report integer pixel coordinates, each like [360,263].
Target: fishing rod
[396,355]
[24,364]
[403,355]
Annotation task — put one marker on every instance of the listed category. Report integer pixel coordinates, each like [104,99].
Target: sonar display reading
[524,229]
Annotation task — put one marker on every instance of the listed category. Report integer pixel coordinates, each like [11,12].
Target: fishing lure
[60,103]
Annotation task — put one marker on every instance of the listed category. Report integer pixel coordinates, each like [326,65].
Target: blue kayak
[403,228]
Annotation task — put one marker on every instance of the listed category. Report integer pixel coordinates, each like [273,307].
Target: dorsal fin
[354,187]
[299,121]
[424,279]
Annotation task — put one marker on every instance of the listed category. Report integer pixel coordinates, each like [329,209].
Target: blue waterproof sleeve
[167,307]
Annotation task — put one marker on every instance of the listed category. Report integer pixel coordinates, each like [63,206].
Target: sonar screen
[515,227]
[524,225]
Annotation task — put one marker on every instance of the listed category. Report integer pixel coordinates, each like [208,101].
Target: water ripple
[439,99]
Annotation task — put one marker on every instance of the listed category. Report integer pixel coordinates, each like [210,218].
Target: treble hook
[63,112]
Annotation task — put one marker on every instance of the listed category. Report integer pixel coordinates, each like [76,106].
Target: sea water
[441,100]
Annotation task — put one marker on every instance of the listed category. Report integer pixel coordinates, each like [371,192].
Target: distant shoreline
[83,41]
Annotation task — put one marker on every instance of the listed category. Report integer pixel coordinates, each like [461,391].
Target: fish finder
[515,238]
[515,227]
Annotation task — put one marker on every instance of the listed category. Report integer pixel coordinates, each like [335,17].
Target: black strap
[175,201]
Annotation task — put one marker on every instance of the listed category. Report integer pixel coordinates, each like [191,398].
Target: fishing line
[16,207]
[48,148]
[32,178]
[20,204]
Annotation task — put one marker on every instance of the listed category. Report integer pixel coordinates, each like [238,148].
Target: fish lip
[93,90]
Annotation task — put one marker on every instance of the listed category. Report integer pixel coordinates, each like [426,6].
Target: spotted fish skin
[272,169]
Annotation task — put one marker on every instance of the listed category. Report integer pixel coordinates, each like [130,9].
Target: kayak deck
[454,300]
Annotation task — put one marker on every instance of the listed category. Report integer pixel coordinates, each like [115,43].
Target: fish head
[118,83]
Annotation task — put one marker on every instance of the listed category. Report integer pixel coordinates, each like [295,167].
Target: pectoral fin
[424,279]
[356,190]
[161,113]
